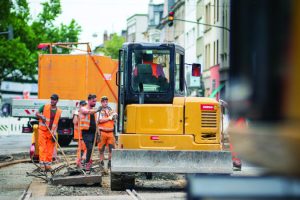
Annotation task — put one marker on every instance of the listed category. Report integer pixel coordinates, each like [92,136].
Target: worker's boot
[82,162]
[88,166]
[78,163]
[101,165]
[109,164]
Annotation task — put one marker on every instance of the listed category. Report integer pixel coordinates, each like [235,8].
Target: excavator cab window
[179,74]
[151,68]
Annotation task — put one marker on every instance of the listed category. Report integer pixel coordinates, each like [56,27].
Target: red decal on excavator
[154,137]
[207,107]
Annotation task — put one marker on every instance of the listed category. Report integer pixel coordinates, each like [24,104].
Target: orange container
[73,77]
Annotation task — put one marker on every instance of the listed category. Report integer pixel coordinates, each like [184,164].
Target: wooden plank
[77,180]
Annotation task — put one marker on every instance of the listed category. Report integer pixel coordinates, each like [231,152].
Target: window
[214,53]
[216,11]
[207,56]
[207,15]
[156,18]
[217,56]
[151,69]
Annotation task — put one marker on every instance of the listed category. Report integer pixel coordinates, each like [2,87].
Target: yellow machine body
[190,123]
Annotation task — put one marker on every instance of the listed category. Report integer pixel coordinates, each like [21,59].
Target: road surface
[14,143]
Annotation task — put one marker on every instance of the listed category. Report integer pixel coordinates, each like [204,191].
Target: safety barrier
[11,125]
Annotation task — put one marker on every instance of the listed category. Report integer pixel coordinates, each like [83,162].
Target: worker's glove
[43,118]
[110,117]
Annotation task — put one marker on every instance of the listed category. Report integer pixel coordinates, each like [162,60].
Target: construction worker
[106,127]
[48,116]
[157,69]
[88,127]
[81,150]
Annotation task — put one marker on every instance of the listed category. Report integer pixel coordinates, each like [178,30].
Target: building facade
[137,25]
[212,44]
[155,14]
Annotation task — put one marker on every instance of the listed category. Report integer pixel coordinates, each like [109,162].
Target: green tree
[18,56]
[111,47]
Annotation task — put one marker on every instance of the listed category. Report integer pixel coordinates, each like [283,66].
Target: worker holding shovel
[48,116]
[81,150]
[88,120]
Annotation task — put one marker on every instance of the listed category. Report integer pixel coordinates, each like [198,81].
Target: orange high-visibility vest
[85,121]
[47,114]
[76,132]
[108,124]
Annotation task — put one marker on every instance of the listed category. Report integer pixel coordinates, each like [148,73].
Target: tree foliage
[18,56]
[111,47]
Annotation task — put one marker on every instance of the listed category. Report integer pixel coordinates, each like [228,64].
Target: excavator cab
[149,73]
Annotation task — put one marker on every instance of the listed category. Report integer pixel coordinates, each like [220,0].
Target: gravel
[94,190]
[160,181]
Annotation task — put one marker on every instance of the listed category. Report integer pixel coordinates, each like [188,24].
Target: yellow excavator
[162,130]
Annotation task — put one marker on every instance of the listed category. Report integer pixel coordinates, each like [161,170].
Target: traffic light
[170,18]
[196,69]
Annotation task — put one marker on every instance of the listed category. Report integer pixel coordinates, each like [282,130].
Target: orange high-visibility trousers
[46,147]
[107,139]
[82,148]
